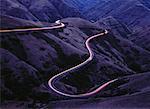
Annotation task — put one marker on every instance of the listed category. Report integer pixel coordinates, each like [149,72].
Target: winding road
[61,75]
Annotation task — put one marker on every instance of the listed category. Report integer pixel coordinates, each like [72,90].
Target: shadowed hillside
[30,59]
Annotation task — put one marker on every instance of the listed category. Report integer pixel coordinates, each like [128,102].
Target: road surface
[59,25]
[61,75]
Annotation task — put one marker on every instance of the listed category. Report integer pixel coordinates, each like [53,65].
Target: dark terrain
[30,59]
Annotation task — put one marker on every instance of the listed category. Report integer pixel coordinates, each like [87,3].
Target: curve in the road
[57,77]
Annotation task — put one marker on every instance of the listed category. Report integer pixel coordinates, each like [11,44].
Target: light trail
[57,77]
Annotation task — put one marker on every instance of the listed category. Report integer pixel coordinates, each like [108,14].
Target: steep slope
[16,73]
[132,15]
[145,2]
[140,37]
[133,19]
[127,11]
[13,8]
[30,59]
[65,10]
[84,5]
[42,10]
[138,96]
[49,53]
[17,23]
[118,28]
[78,4]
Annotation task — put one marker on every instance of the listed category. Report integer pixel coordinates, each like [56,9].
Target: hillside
[30,59]
[133,15]
[41,10]
[140,37]
[136,98]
